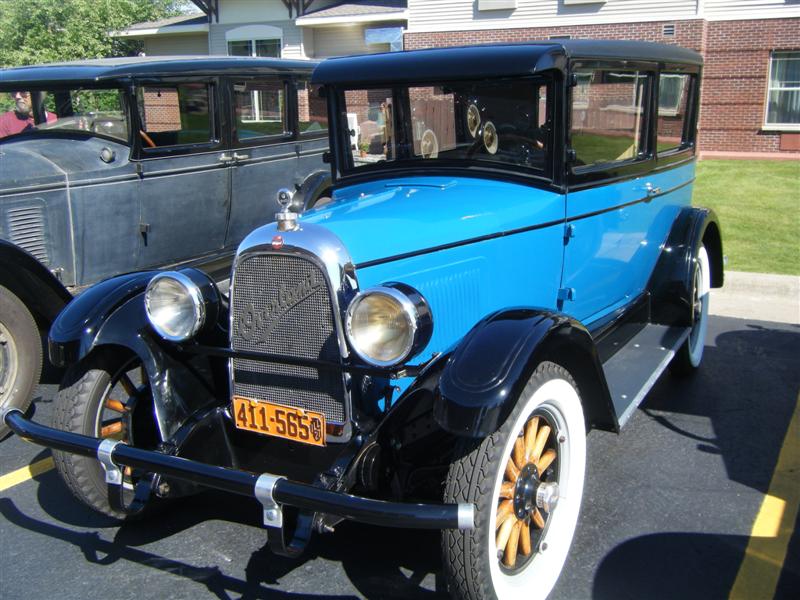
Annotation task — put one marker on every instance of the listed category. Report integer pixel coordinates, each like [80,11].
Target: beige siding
[343,41]
[724,10]
[189,44]
[455,15]
[259,11]
[292,38]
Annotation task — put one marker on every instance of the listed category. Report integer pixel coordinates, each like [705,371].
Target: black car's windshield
[99,111]
[503,123]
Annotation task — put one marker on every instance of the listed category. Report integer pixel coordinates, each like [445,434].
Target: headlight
[175,306]
[387,325]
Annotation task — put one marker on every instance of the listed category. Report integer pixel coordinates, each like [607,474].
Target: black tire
[470,558]
[20,355]
[688,357]
[82,406]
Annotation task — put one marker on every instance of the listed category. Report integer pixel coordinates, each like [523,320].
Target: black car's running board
[273,491]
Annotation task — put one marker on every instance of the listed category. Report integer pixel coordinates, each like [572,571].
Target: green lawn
[758,205]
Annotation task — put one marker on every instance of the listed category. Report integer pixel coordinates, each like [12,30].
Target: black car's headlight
[177,303]
[389,324]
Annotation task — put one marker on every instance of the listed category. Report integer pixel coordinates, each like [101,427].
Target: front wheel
[526,482]
[106,396]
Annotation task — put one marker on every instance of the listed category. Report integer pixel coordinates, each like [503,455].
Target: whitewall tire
[517,550]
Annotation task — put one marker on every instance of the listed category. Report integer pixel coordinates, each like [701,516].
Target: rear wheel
[20,354]
[690,354]
[106,396]
[526,482]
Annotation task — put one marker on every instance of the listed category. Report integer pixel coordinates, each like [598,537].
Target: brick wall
[735,74]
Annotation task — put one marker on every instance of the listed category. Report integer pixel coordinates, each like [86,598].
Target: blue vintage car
[508,259]
[116,165]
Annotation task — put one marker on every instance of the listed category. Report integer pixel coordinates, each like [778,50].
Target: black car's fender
[493,362]
[111,315]
[31,282]
[670,284]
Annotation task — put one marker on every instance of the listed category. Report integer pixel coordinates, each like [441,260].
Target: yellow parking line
[25,473]
[769,539]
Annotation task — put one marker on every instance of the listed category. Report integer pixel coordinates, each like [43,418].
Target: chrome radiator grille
[281,305]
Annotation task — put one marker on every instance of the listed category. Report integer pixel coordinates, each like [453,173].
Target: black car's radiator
[281,305]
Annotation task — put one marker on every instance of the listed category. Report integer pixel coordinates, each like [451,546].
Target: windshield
[494,124]
[99,111]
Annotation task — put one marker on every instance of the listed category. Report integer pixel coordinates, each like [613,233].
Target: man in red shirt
[21,118]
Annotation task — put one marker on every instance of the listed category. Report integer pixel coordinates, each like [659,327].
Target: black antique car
[508,259]
[111,166]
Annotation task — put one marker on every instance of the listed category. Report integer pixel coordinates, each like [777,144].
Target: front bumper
[272,491]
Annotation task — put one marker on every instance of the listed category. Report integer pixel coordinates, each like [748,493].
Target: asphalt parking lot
[668,510]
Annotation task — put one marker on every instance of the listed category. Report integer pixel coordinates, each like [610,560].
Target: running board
[634,369]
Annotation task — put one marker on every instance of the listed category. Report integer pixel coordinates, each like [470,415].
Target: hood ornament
[286,218]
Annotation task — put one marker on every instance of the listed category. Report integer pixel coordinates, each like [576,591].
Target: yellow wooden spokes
[111,428]
[511,471]
[530,436]
[525,538]
[541,440]
[545,461]
[510,556]
[519,453]
[115,405]
[505,533]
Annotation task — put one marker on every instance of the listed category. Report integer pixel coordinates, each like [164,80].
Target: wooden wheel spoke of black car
[517,515]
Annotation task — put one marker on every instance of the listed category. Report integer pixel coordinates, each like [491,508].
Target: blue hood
[388,218]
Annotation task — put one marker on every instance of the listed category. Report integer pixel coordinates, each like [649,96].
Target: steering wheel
[147,139]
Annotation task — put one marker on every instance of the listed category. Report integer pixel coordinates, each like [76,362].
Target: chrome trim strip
[264,491]
[112,471]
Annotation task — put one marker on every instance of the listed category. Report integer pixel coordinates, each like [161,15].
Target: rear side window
[608,115]
[261,109]
[174,115]
[674,94]
[312,108]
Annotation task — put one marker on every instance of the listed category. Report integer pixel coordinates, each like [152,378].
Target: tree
[39,31]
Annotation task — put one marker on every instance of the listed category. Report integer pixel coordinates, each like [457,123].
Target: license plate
[277,420]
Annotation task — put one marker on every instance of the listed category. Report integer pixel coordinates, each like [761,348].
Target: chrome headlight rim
[410,311]
[195,295]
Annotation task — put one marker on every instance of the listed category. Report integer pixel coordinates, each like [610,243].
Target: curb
[759,296]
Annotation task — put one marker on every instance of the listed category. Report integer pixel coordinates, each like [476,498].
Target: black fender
[313,187]
[484,376]
[31,282]
[111,315]
[670,285]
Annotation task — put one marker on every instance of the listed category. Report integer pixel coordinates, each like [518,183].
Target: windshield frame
[345,169]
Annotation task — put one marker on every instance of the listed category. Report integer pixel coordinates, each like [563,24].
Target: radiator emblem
[277,242]
[256,325]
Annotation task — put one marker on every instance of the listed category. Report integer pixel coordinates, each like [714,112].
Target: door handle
[226,158]
[237,156]
[651,191]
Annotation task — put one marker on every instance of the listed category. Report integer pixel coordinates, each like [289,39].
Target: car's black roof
[489,60]
[106,69]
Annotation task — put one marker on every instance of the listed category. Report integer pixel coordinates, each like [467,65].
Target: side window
[312,108]
[674,92]
[260,109]
[608,115]
[175,115]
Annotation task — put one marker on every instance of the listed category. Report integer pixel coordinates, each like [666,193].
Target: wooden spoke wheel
[526,482]
[528,493]
[109,397]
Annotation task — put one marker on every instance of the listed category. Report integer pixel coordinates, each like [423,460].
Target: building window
[783,91]
[270,48]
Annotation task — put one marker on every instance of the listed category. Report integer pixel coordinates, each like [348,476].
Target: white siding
[456,15]
[292,38]
[726,10]
[179,44]
[343,41]
[257,11]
